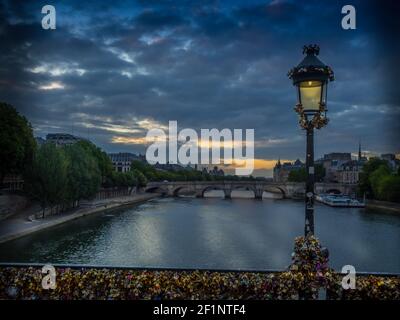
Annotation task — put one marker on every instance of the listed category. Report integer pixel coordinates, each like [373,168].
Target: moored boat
[342,201]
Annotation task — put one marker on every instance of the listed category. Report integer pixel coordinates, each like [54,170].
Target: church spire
[359,151]
[278,164]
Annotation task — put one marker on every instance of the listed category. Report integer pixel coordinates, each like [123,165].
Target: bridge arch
[243,188]
[249,188]
[277,189]
[333,190]
[212,187]
[156,189]
[176,191]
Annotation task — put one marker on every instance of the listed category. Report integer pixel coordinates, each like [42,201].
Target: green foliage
[153,174]
[376,177]
[120,179]
[141,178]
[84,176]
[47,178]
[103,161]
[146,169]
[133,178]
[389,188]
[300,175]
[378,182]
[17,144]
[63,175]
[364,183]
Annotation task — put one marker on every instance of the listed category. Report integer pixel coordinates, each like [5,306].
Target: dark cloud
[109,66]
[154,20]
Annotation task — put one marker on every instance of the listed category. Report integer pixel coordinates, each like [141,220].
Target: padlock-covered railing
[308,277]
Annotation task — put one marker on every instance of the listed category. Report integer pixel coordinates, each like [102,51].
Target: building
[217,172]
[341,168]
[281,171]
[332,162]
[214,171]
[171,167]
[62,138]
[361,159]
[122,161]
[348,172]
[393,163]
[59,139]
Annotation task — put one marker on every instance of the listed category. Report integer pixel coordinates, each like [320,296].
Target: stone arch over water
[250,189]
[215,187]
[189,189]
[156,189]
[276,190]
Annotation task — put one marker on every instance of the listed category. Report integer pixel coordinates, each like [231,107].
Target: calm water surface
[214,233]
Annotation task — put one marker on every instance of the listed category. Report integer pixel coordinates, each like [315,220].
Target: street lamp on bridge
[311,79]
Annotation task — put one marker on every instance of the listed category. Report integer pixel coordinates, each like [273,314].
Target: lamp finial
[312,49]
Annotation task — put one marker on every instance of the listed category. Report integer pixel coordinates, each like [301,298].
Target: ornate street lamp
[311,79]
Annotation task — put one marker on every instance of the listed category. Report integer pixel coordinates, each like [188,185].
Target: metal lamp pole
[311,78]
[309,196]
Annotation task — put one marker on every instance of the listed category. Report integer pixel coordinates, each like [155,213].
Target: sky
[112,70]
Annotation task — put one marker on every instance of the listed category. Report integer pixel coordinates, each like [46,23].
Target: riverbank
[383,205]
[16,227]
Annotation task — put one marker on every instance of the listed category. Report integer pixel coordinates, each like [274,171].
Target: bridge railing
[23,281]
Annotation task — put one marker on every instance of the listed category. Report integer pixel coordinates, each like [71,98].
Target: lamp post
[311,79]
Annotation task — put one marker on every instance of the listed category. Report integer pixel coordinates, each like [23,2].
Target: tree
[147,170]
[375,179]
[364,183]
[378,182]
[103,160]
[84,176]
[120,179]
[17,144]
[47,179]
[300,175]
[131,179]
[389,188]
[141,179]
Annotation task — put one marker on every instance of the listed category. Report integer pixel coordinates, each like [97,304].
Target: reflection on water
[242,194]
[214,194]
[214,233]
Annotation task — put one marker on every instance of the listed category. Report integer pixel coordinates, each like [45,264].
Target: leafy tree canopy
[300,175]
[84,176]
[103,161]
[47,177]
[364,183]
[17,144]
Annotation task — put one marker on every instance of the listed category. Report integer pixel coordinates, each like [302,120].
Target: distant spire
[278,164]
[359,151]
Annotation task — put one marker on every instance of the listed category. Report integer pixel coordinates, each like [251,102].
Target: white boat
[342,201]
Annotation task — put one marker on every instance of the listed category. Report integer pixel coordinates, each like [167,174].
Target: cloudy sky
[114,69]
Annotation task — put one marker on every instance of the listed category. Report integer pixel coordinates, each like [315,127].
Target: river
[214,233]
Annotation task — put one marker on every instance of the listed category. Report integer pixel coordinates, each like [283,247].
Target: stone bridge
[287,189]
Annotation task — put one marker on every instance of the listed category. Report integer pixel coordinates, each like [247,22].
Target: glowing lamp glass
[311,95]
